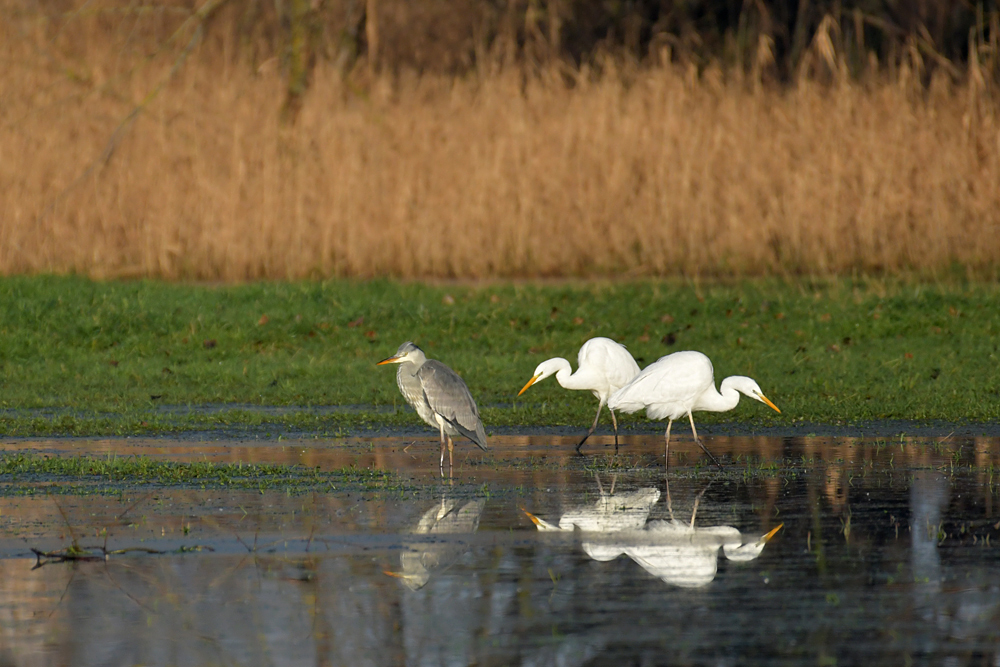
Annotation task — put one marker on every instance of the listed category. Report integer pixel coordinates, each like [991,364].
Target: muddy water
[888,553]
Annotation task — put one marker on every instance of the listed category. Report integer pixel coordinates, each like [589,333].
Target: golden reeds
[638,171]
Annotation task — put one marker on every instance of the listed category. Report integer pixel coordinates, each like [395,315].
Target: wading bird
[678,384]
[439,396]
[604,367]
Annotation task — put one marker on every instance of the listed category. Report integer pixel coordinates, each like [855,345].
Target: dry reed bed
[653,173]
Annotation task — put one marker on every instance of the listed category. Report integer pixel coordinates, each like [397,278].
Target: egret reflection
[686,556]
[421,559]
[611,513]
[677,552]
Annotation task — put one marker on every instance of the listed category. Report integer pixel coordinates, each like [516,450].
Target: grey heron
[603,367]
[678,384]
[439,396]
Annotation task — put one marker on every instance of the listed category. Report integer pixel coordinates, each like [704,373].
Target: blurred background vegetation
[769,39]
[246,139]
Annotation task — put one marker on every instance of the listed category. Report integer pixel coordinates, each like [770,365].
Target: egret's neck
[719,401]
[565,375]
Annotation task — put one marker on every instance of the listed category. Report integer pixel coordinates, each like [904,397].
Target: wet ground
[888,552]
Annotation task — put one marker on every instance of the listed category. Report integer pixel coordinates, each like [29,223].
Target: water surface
[887,554]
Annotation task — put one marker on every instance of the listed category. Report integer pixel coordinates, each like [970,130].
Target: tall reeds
[614,169]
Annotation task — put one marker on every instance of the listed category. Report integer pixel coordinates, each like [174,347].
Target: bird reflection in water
[681,554]
[677,552]
[421,559]
[611,514]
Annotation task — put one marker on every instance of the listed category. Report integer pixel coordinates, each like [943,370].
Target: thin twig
[197,19]
[92,553]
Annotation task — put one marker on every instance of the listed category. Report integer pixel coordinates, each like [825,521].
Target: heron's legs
[596,417]
[451,449]
[443,436]
[698,440]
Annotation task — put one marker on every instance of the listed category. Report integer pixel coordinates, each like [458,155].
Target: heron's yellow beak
[395,360]
[767,537]
[770,405]
[524,389]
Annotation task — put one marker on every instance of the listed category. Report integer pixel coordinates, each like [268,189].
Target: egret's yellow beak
[395,360]
[541,524]
[534,519]
[524,389]
[770,405]
[767,537]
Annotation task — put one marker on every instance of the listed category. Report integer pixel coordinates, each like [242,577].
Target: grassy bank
[78,356]
[30,474]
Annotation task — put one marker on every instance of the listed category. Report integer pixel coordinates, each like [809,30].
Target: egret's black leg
[614,423]
[596,417]
[666,449]
[698,440]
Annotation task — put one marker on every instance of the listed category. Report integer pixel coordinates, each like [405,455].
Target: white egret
[439,396]
[603,367]
[678,384]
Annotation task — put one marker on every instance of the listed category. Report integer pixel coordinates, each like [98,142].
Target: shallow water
[887,554]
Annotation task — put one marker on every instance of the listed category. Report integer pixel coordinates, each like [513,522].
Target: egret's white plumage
[603,367]
[439,396]
[678,384]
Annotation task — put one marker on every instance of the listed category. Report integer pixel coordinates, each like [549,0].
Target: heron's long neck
[410,367]
[719,401]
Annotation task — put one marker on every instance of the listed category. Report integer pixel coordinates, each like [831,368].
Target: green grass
[30,473]
[107,354]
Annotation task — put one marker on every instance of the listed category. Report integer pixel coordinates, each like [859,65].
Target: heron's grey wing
[449,397]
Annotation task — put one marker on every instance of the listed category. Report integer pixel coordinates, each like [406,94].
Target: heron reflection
[421,559]
[677,552]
